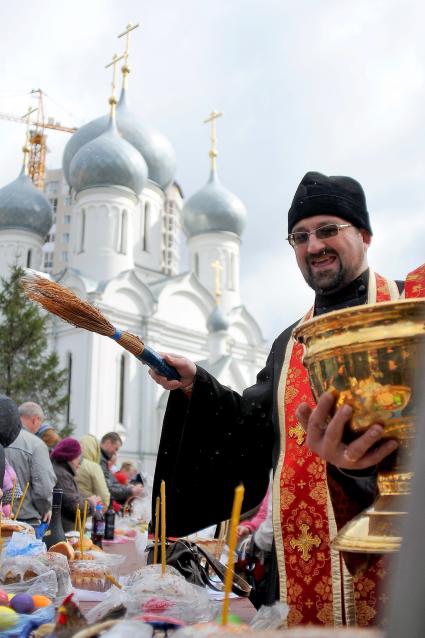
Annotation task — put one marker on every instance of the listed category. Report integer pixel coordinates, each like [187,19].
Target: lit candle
[21,500]
[233,537]
[163,547]
[155,547]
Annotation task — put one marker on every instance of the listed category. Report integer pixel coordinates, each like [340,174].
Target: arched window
[232,272]
[146,222]
[123,232]
[197,264]
[82,231]
[29,254]
[121,389]
[68,386]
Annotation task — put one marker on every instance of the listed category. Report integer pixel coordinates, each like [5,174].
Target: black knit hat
[319,194]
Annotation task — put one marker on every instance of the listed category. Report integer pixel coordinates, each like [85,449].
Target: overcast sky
[333,86]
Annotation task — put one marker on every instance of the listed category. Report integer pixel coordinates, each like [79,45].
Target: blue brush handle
[157,363]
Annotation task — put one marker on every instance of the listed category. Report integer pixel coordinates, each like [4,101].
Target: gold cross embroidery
[305,542]
[297,432]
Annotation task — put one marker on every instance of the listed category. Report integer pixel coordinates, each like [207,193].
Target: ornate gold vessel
[367,355]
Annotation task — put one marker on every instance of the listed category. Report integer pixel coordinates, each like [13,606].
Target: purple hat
[66,450]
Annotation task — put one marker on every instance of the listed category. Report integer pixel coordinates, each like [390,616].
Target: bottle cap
[99,507]
[57,497]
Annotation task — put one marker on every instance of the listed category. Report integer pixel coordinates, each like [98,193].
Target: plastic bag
[29,622]
[59,564]
[270,617]
[20,568]
[114,598]
[168,594]
[45,584]
[23,544]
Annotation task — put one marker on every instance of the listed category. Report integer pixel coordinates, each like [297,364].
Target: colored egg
[8,618]
[22,603]
[10,596]
[41,601]
[4,598]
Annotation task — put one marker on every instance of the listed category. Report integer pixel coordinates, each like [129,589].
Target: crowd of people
[84,469]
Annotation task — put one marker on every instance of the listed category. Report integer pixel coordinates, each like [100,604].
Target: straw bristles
[131,343]
[63,303]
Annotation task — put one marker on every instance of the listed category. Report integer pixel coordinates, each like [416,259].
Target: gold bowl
[367,356]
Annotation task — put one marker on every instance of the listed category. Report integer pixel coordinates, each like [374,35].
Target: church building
[126,237]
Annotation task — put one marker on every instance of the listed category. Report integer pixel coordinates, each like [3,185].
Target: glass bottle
[98,526]
[54,533]
[109,523]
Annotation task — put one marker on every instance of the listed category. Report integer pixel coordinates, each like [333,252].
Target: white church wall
[20,248]
[147,235]
[225,247]
[102,232]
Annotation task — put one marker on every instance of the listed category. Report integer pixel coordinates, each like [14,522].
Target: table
[242,607]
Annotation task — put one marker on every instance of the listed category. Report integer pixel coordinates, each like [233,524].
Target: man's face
[330,264]
[111,447]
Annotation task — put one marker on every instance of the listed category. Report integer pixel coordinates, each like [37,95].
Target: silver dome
[212,209]
[154,147]
[23,206]
[108,160]
[217,320]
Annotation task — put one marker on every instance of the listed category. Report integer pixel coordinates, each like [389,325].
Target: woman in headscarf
[90,478]
[66,460]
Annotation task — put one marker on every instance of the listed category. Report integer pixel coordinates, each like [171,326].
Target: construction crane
[37,139]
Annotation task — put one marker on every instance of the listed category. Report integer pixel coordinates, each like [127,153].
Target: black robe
[217,439]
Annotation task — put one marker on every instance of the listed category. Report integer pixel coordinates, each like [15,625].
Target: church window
[146,222]
[82,230]
[68,386]
[122,238]
[232,272]
[197,264]
[65,238]
[29,258]
[121,389]
[64,256]
[67,219]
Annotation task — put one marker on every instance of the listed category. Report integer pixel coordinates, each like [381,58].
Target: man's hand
[47,517]
[185,367]
[242,531]
[324,436]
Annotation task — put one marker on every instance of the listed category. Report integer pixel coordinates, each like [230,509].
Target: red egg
[4,598]
[22,603]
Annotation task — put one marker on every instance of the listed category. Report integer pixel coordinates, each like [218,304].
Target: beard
[326,282]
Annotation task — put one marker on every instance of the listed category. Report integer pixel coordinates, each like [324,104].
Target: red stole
[313,579]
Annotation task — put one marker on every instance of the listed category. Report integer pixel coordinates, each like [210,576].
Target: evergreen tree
[28,370]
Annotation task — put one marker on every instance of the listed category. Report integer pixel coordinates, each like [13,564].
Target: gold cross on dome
[305,542]
[113,64]
[213,116]
[125,68]
[218,268]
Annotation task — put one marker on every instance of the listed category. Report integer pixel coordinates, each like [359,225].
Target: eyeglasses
[323,232]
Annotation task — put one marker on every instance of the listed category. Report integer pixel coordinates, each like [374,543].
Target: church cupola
[107,174]
[214,219]
[25,219]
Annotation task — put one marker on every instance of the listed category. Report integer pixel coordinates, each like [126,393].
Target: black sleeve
[210,444]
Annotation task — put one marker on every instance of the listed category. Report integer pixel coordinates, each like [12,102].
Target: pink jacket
[9,477]
[254,523]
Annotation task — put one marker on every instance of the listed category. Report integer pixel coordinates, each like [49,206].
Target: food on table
[4,598]
[22,603]
[8,526]
[90,575]
[65,548]
[8,618]
[41,601]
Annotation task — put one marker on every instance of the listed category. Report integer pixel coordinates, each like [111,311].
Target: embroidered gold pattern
[305,542]
[297,432]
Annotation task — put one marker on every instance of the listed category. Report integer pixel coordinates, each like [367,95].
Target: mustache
[322,253]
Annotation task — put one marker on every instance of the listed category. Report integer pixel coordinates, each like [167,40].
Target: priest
[214,438]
